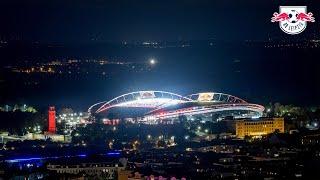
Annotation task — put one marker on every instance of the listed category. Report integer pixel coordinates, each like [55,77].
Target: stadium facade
[158,106]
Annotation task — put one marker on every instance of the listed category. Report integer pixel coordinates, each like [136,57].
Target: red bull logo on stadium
[293,19]
[147,94]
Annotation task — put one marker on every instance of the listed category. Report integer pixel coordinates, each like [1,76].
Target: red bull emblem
[293,19]
[147,94]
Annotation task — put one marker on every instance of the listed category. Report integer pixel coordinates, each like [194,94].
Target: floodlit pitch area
[158,105]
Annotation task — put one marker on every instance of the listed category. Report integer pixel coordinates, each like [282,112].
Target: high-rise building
[52,120]
[259,127]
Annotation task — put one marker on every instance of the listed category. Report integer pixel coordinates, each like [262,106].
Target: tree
[31,109]
[66,111]
[277,109]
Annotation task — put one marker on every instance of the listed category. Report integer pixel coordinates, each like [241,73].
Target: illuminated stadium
[157,106]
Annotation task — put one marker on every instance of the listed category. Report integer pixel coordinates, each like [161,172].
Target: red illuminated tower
[52,120]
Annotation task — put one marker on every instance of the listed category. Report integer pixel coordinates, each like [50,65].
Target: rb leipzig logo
[292,19]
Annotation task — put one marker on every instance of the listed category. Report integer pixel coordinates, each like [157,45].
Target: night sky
[70,21]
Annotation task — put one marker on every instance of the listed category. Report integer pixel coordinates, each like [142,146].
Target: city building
[258,127]
[52,120]
[70,121]
[102,170]
[310,139]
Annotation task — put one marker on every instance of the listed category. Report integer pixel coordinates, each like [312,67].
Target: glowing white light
[255,117]
[151,103]
[152,61]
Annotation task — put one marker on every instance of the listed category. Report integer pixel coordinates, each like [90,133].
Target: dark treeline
[18,122]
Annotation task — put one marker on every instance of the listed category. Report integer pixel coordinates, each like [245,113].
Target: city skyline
[159,90]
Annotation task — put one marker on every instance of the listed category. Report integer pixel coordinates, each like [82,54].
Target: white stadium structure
[152,106]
